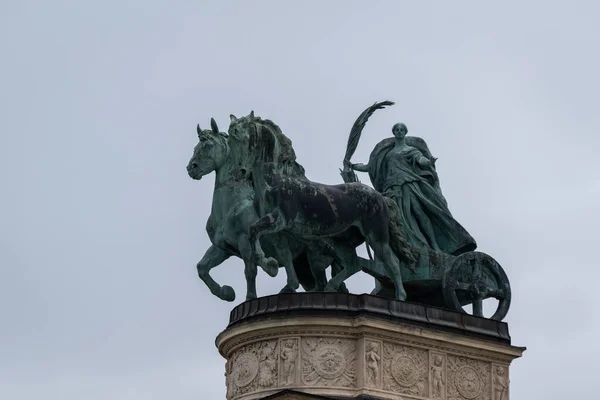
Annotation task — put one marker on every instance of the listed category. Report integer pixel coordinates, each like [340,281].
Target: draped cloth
[416,190]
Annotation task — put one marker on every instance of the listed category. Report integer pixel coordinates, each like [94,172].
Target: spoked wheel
[473,277]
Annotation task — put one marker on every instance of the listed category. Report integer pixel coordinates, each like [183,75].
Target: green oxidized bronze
[402,168]
[266,212]
[233,211]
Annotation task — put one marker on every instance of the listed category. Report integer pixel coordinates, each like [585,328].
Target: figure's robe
[417,192]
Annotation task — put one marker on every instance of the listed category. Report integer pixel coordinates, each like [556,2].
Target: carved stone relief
[289,363]
[405,370]
[253,367]
[274,364]
[438,376]
[267,367]
[372,363]
[329,362]
[500,382]
[468,379]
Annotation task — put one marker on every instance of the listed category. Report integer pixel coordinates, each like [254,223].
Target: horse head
[210,153]
[244,141]
[256,142]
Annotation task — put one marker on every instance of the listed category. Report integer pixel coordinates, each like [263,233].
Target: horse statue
[337,217]
[268,213]
[234,210]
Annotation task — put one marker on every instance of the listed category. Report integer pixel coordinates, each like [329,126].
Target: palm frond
[359,124]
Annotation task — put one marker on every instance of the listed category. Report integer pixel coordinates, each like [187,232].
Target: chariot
[437,278]
[448,281]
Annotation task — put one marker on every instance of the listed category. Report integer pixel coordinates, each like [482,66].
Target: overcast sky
[101,228]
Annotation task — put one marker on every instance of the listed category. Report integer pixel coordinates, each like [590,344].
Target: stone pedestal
[332,346]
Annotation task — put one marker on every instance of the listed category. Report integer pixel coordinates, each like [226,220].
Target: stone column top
[344,346]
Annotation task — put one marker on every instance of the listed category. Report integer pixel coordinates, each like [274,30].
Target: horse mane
[286,158]
[267,144]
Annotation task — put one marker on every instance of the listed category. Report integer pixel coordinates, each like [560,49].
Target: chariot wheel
[472,278]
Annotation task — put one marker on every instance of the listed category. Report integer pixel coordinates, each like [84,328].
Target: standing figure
[372,360]
[403,169]
[288,356]
[500,384]
[437,376]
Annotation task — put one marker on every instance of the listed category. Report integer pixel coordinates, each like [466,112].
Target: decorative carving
[245,370]
[468,379]
[501,383]
[405,370]
[438,380]
[372,363]
[289,355]
[268,365]
[329,362]
[253,366]
[264,364]
[468,382]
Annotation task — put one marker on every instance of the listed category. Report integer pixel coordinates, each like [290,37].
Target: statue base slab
[343,346]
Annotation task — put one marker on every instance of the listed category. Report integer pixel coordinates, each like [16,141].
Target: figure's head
[373,347]
[210,153]
[438,360]
[500,371]
[399,130]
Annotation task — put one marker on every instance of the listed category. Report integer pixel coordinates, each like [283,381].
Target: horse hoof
[401,296]
[330,289]
[294,284]
[272,267]
[227,293]
[287,289]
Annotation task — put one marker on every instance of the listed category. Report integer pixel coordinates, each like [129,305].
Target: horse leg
[270,223]
[318,262]
[250,270]
[336,268]
[383,252]
[213,257]
[377,288]
[319,254]
[318,266]
[347,255]
[288,262]
[284,256]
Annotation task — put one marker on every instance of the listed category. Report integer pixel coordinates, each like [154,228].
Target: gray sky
[102,228]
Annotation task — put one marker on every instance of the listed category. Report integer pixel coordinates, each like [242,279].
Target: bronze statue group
[268,213]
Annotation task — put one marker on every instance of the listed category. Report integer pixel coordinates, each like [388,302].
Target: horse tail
[398,242]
